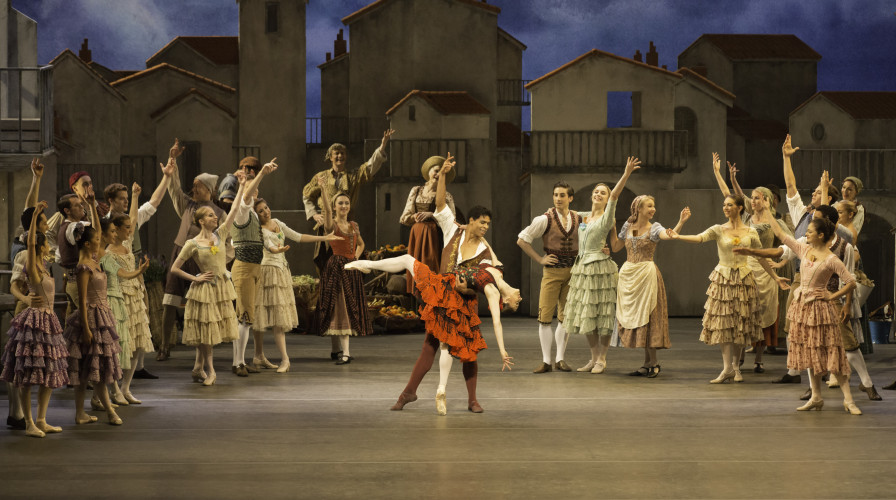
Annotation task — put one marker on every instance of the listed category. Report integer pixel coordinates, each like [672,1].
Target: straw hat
[433,161]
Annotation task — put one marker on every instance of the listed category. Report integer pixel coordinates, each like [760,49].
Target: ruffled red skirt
[450,317]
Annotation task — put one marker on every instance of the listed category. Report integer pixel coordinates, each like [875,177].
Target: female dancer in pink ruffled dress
[36,353]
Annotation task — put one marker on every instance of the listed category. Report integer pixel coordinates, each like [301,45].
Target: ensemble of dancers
[106,332]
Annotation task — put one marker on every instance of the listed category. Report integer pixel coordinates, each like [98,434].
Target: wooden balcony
[345,130]
[513,93]
[876,167]
[587,150]
[406,156]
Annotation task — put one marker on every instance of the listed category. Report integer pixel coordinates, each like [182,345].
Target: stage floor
[325,431]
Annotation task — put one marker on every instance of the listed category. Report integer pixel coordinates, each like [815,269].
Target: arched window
[686,119]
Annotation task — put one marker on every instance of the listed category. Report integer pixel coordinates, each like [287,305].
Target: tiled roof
[221,50]
[861,105]
[446,102]
[379,3]
[106,85]
[705,81]
[192,92]
[740,47]
[159,67]
[595,52]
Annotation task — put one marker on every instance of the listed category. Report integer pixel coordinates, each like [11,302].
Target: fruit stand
[391,309]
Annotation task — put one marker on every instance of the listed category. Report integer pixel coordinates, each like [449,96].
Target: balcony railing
[876,167]
[513,93]
[663,150]
[240,152]
[26,110]
[345,130]
[406,156]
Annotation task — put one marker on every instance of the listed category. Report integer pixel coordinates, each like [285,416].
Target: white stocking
[445,361]
[239,345]
[857,362]
[391,265]
[343,345]
[561,337]
[546,336]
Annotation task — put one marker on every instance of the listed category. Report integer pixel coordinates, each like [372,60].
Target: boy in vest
[558,229]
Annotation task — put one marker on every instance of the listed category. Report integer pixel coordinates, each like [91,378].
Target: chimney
[329,56]
[84,53]
[665,68]
[339,46]
[653,58]
[637,56]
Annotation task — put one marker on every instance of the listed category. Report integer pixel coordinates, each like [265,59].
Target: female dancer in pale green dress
[591,303]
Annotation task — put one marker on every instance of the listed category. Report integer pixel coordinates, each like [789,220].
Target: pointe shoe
[872,393]
[131,399]
[284,366]
[441,403]
[262,362]
[47,428]
[118,399]
[357,266]
[114,419]
[474,407]
[210,380]
[403,399]
[587,367]
[738,377]
[97,405]
[599,367]
[33,431]
[724,376]
[816,404]
[198,375]
[84,419]
[851,408]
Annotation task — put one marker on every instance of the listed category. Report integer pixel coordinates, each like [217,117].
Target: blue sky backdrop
[856,38]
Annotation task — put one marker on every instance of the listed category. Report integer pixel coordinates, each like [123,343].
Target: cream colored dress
[209,317]
[275,302]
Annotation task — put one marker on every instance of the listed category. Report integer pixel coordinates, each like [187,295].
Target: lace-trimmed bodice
[641,248]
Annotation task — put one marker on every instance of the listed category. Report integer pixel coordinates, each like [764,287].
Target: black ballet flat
[335,355]
[345,360]
[653,371]
[640,372]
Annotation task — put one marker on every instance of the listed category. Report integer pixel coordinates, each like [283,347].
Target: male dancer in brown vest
[558,229]
[464,247]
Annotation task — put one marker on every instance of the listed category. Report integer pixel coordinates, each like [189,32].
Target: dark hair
[251,163]
[829,213]
[27,215]
[105,224]
[65,202]
[119,219]
[260,200]
[823,227]
[834,193]
[41,240]
[341,193]
[477,212]
[775,190]
[563,184]
[86,235]
[738,201]
[113,189]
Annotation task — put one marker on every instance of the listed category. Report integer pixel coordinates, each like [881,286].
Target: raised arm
[156,199]
[31,264]
[494,306]
[789,179]
[630,166]
[325,203]
[682,218]
[717,171]
[37,171]
[136,272]
[824,186]
[379,155]
[732,173]
[441,189]
[268,168]
[134,213]
[235,207]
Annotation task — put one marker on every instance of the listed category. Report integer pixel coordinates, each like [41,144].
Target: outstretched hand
[240,177]
[176,150]
[332,237]
[136,190]
[270,167]
[37,168]
[672,233]
[507,361]
[449,163]
[783,283]
[144,265]
[386,136]
[716,162]
[41,206]
[788,148]
[685,214]
[732,171]
[632,164]
[279,249]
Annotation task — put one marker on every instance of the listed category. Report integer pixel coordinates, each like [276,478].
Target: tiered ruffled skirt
[121,326]
[209,317]
[35,353]
[274,299]
[814,338]
[450,317]
[97,361]
[732,310]
[591,303]
[138,320]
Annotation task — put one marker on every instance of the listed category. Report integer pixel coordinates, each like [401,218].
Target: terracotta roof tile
[379,3]
[740,47]
[446,102]
[601,53]
[163,66]
[192,92]
[221,50]
[861,105]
